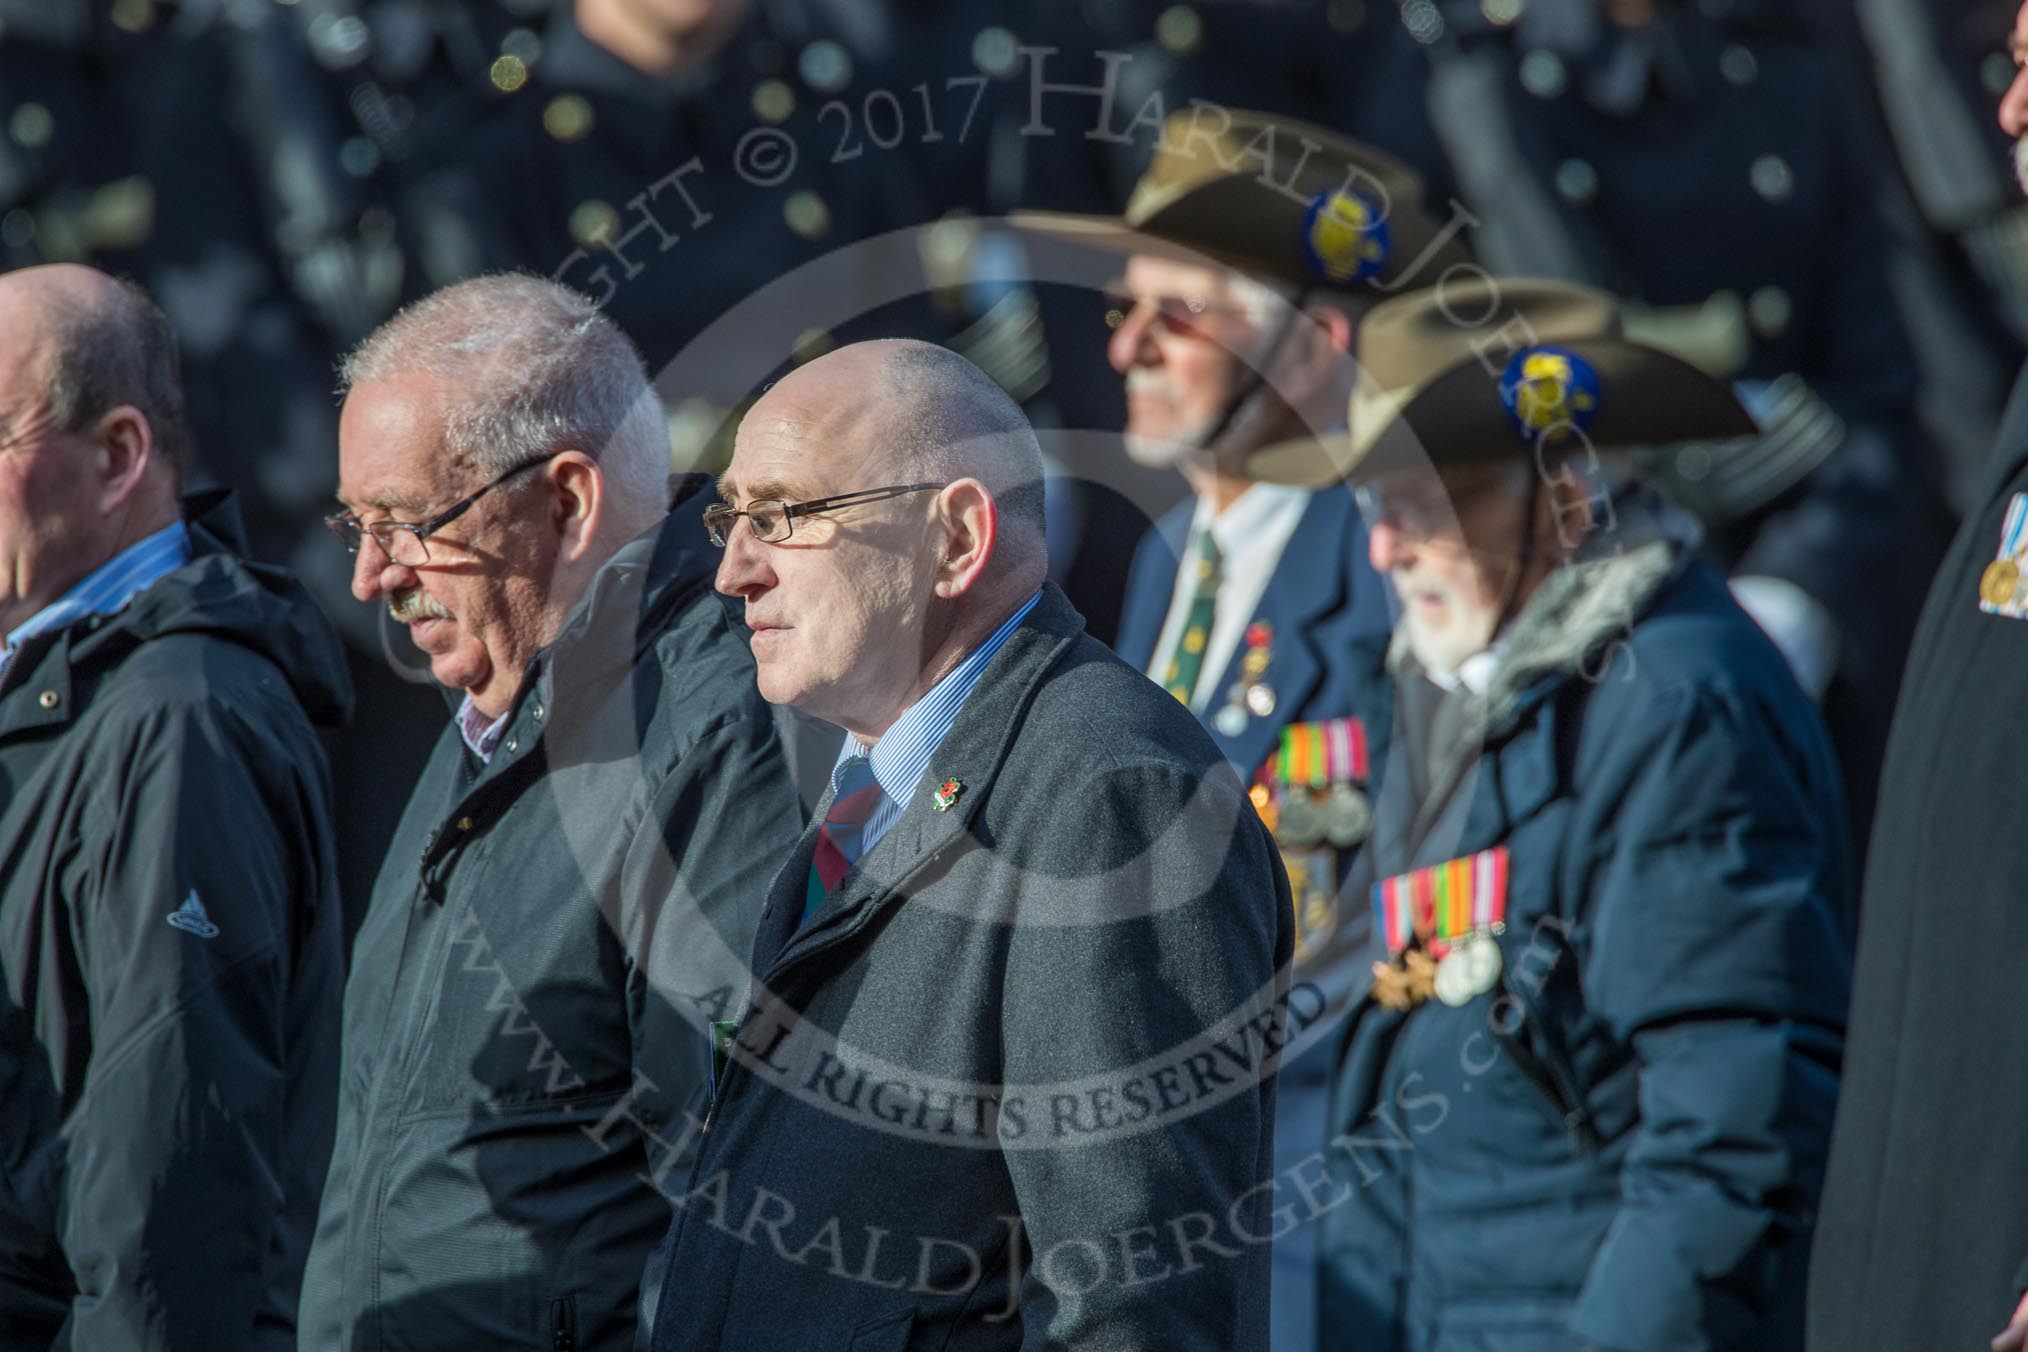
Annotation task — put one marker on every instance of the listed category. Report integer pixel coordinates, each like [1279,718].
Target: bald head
[91,429]
[91,343]
[909,411]
[858,609]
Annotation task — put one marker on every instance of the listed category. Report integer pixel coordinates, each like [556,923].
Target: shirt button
[513,745]
[537,711]
[49,699]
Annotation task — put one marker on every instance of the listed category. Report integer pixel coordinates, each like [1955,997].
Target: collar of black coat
[631,600]
[1581,608]
[222,594]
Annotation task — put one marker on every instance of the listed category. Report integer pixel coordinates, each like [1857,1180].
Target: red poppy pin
[946,794]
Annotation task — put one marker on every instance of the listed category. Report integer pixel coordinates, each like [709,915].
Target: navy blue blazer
[1322,596]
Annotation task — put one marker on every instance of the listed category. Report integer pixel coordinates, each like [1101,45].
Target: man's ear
[969,522]
[1317,369]
[126,450]
[1333,325]
[1574,504]
[577,495]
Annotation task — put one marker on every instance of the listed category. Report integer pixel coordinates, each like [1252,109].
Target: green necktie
[1186,659]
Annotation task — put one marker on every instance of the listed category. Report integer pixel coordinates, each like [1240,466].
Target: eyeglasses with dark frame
[771,519]
[403,541]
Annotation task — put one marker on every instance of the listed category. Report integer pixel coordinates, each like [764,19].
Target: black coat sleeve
[695,881]
[175,1146]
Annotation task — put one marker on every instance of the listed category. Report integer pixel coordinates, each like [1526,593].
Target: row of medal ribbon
[1441,926]
[1308,792]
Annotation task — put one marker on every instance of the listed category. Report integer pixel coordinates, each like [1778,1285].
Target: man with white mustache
[1924,1238]
[1250,247]
[564,908]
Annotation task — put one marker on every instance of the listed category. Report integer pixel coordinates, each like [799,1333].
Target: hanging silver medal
[1469,970]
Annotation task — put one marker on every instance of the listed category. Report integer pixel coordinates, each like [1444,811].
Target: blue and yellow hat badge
[1550,394]
[1345,237]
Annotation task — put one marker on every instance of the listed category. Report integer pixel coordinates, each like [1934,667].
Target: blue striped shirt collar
[902,756]
[109,587]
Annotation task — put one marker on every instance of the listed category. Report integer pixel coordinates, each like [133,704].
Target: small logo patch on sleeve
[191,918]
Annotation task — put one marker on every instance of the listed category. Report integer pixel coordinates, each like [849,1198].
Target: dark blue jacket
[1322,597]
[1620,1145]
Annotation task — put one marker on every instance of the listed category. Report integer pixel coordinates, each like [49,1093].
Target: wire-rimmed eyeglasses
[771,519]
[403,541]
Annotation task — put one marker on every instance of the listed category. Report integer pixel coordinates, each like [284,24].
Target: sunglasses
[1184,316]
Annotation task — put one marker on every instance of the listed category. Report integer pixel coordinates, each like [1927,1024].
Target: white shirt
[1250,534]
[1801,628]
[1476,672]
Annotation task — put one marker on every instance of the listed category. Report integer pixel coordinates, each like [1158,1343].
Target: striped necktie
[1186,660]
[839,838]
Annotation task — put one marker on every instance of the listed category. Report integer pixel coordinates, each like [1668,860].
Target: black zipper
[563,1324]
[1552,1077]
[724,1032]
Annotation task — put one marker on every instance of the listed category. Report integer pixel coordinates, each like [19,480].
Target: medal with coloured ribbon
[1313,784]
[1441,924]
[2000,589]
[1311,795]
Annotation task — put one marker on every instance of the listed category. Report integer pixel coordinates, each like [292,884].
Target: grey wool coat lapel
[971,753]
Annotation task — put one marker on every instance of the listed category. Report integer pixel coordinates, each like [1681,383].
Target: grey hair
[535,368]
[953,421]
[123,351]
[1262,301]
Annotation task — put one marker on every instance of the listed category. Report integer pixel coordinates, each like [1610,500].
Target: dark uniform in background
[1960,257]
[650,195]
[1715,172]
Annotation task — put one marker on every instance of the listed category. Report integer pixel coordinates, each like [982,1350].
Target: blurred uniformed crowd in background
[1807,198]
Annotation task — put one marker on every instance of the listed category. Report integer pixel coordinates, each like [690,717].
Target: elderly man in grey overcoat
[1004,1074]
